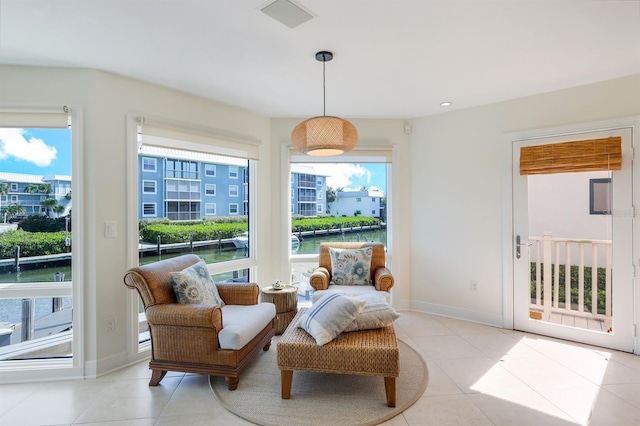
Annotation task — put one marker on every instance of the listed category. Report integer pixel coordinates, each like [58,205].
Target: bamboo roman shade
[580,156]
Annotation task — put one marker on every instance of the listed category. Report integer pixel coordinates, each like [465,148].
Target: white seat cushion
[351,290]
[241,323]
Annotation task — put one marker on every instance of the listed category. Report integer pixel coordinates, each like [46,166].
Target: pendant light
[324,135]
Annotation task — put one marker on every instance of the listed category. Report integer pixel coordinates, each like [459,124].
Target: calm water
[11,309]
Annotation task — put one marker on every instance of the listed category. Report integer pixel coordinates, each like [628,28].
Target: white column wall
[457,176]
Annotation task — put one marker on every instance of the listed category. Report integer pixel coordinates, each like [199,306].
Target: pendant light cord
[324,88]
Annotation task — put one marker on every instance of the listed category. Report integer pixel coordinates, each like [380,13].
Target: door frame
[507,206]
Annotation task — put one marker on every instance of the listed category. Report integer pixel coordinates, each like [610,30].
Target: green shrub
[180,233]
[41,223]
[31,243]
[320,223]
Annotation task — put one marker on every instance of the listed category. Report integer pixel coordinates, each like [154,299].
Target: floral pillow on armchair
[351,266]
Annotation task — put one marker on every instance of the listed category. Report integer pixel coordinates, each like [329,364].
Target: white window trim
[14,198]
[155,210]
[213,207]
[237,191]
[60,368]
[209,167]
[210,185]
[155,187]
[234,172]
[13,187]
[237,209]
[155,164]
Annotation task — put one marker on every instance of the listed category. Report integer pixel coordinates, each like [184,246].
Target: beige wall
[457,176]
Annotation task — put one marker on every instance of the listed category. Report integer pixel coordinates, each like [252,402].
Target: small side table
[286,301]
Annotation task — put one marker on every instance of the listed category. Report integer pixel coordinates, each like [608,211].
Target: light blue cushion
[350,266]
[329,316]
[195,285]
[241,323]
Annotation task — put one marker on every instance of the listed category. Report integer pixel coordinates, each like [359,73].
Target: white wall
[457,175]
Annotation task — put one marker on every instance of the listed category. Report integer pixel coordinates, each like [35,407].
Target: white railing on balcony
[548,254]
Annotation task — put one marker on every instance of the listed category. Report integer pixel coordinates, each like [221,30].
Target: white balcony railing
[572,295]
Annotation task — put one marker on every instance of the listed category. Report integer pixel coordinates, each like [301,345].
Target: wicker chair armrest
[383,279]
[319,279]
[185,315]
[239,293]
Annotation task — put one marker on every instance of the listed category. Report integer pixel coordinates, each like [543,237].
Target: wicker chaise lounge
[187,337]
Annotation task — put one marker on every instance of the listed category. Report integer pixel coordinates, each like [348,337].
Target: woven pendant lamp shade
[324,136]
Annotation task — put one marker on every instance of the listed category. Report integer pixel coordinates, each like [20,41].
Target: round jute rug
[320,398]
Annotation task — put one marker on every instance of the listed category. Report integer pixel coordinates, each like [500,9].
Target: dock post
[219,240]
[16,261]
[28,319]
[56,302]
[191,241]
[158,249]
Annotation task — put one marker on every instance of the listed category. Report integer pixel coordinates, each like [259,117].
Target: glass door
[572,234]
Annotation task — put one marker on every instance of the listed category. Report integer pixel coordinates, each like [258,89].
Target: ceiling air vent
[287,12]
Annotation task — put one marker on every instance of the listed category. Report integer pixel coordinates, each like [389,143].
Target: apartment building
[20,193]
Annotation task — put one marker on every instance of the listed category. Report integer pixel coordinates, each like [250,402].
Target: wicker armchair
[381,276]
[186,337]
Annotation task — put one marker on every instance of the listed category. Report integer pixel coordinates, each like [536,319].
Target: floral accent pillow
[329,316]
[195,285]
[350,266]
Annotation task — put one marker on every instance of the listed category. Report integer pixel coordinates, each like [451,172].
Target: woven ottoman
[367,352]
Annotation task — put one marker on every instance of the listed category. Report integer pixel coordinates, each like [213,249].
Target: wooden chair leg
[390,389]
[285,377]
[156,376]
[232,382]
[267,346]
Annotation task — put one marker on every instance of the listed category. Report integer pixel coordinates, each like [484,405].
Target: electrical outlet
[474,286]
[110,324]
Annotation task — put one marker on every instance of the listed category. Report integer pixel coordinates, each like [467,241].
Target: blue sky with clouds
[35,151]
[48,152]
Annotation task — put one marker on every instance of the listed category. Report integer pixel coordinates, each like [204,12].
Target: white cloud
[14,144]
[347,176]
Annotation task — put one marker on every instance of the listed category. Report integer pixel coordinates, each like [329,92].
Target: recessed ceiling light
[447,103]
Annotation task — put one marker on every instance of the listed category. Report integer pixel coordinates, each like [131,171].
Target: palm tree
[32,188]
[49,204]
[13,210]
[58,209]
[45,188]
[4,190]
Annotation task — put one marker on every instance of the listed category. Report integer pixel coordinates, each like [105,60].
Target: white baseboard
[485,318]
[106,365]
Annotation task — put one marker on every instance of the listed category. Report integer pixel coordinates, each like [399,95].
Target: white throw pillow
[377,313]
[350,266]
[329,316]
[195,285]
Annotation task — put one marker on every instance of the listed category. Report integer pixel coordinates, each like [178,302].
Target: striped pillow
[329,316]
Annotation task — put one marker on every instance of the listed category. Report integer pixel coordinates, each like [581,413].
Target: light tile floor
[479,375]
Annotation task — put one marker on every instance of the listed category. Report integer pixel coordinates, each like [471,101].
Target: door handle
[518,245]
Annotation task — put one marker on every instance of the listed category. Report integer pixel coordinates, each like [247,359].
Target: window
[149,209]
[233,172]
[149,186]
[188,163]
[148,164]
[340,192]
[319,182]
[600,196]
[29,295]
[233,190]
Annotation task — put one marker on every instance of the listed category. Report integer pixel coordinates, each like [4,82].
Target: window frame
[155,165]
[214,209]
[155,209]
[209,167]
[237,208]
[13,187]
[206,190]
[234,193]
[155,186]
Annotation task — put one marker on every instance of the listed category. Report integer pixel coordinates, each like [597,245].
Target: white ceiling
[392,58]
